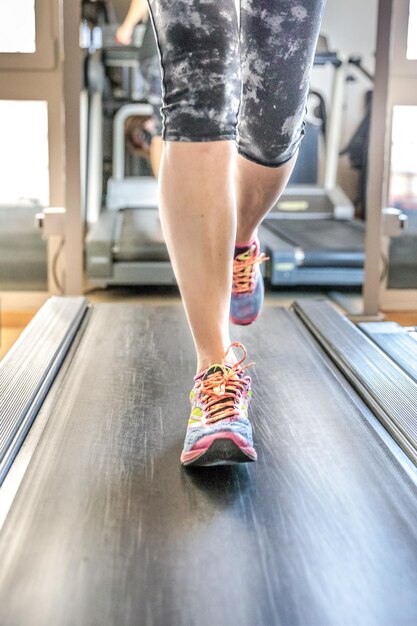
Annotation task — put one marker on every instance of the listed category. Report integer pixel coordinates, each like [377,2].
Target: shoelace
[244,271]
[221,390]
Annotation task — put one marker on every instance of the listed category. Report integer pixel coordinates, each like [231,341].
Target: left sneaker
[219,431]
[248,285]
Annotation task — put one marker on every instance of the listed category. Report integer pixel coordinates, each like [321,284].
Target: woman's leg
[198,214]
[198,46]
[278,41]
[257,190]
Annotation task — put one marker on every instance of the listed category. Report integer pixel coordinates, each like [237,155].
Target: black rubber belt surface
[108,529]
[390,392]
[137,238]
[337,235]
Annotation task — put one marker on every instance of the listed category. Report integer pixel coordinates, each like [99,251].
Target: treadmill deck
[108,529]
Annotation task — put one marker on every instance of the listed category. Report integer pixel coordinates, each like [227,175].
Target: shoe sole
[234,320]
[223,449]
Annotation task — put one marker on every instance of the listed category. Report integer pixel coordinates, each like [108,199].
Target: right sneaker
[248,285]
[219,431]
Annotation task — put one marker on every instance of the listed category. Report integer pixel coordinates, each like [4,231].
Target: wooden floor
[13,322]
[11,326]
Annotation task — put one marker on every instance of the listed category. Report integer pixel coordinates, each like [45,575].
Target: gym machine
[124,243]
[311,235]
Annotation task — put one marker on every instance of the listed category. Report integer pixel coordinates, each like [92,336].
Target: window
[24,175]
[17,26]
[412,31]
[403,183]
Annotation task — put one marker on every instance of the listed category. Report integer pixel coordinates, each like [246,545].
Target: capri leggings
[240,78]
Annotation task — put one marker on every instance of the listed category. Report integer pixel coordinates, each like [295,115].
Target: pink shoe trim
[238,244]
[204,444]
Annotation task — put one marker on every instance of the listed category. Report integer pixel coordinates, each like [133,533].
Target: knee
[269,156]
[271,144]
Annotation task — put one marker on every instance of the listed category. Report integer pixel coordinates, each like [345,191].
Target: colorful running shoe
[219,431]
[248,285]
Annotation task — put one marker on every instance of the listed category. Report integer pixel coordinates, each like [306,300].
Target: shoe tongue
[215,368]
[244,250]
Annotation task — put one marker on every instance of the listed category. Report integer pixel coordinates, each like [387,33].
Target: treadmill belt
[108,529]
[141,237]
[324,242]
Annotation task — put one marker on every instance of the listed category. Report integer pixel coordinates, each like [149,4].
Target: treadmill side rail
[396,341]
[29,368]
[384,386]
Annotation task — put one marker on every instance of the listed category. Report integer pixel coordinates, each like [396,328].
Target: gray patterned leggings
[245,80]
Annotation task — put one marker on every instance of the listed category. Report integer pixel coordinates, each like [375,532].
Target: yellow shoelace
[244,270]
[224,387]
